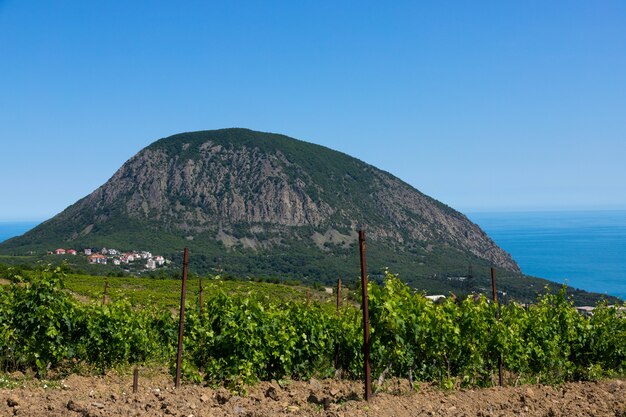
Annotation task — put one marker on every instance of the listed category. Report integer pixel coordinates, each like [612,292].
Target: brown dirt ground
[111,395]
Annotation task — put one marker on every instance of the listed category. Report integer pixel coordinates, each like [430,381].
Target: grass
[166,292]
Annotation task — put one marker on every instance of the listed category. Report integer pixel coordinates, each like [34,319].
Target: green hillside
[258,204]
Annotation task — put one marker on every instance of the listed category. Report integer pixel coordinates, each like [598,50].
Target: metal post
[339,297]
[494,293]
[338,315]
[104,294]
[366,321]
[201,299]
[181,323]
[495,300]
[135,380]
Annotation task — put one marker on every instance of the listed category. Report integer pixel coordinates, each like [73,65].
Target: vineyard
[242,337]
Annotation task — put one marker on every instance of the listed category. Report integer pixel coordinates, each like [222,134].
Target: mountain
[255,203]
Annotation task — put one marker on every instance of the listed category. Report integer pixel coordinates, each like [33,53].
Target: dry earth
[111,395]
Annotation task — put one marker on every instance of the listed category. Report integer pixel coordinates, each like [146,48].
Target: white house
[98,259]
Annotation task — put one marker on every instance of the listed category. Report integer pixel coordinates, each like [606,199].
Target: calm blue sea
[11,229]
[582,249]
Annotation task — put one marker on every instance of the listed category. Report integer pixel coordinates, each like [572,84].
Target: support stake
[181,323]
[495,300]
[135,380]
[339,297]
[104,294]
[201,299]
[338,315]
[366,321]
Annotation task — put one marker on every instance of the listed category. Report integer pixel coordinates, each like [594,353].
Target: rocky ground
[111,395]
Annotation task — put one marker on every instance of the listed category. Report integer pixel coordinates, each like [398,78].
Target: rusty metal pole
[201,299]
[339,297]
[135,380]
[366,320]
[495,300]
[338,315]
[494,293]
[181,323]
[104,294]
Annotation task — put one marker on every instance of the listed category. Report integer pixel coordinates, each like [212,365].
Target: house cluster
[116,257]
[64,252]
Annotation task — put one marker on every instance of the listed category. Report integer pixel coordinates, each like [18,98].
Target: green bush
[239,339]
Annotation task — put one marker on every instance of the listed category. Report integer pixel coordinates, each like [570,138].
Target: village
[116,257]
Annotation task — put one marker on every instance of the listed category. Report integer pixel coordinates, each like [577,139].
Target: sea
[12,229]
[583,249]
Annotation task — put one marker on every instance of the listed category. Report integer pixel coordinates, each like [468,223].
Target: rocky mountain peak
[263,195]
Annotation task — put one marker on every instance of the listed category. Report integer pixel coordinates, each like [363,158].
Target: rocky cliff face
[223,184]
[260,191]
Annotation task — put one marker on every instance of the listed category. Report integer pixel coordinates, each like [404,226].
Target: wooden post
[495,300]
[308,297]
[366,321]
[181,323]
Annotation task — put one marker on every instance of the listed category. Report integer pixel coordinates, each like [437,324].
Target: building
[98,259]
[151,264]
[60,251]
[71,252]
[585,310]
[87,251]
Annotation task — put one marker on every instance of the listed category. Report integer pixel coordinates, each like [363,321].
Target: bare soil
[111,395]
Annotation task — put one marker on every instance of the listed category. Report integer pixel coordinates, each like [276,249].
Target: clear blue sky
[484,105]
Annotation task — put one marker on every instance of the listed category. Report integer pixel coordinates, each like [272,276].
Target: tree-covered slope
[266,204]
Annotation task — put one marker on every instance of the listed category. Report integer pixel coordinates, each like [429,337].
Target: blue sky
[486,106]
